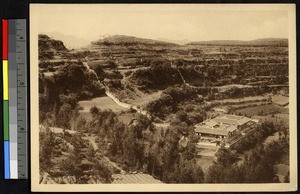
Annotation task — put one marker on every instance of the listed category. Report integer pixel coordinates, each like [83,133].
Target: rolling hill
[130,40]
[256,42]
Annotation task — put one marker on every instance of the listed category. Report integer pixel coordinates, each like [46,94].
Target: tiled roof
[221,125]
[138,178]
[226,121]
[207,130]
[244,120]
[231,128]
[210,122]
[232,119]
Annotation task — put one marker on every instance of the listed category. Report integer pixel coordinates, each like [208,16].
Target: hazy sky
[192,22]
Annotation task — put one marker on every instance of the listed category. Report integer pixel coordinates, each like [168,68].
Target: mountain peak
[129,40]
[47,43]
[70,41]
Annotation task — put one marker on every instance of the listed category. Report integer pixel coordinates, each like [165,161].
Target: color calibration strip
[14,98]
[5,98]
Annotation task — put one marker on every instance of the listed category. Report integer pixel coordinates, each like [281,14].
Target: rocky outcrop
[49,48]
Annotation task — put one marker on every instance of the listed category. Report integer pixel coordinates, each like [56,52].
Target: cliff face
[49,48]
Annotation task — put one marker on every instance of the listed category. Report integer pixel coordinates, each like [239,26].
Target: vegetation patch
[261,110]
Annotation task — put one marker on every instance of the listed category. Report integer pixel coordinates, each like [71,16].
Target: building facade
[224,126]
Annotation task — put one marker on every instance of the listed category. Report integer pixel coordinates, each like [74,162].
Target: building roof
[221,125]
[207,130]
[244,120]
[138,178]
[232,119]
[210,123]
[227,121]
[231,128]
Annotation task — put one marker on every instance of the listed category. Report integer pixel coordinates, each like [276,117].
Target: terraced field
[240,100]
[261,110]
[280,100]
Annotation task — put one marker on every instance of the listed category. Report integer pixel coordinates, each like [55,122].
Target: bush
[158,76]
[261,132]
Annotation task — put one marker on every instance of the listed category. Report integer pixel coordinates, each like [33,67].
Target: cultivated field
[104,103]
[261,110]
[240,100]
[280,100]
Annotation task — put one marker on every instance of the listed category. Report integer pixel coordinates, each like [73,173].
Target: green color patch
[5,120]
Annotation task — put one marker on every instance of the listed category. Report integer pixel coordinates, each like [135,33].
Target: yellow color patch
[5,79]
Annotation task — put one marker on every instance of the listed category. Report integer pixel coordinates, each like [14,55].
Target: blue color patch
[6,160]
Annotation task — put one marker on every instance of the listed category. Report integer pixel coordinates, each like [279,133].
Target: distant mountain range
[70,41]
[130,40]
[73,42]
[259,42]
[122,39]
[180,42]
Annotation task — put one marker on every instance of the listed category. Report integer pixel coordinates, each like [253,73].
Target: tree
[215,174]
[47,143]
[189,172]
[233,174]
[156,158]
[117,139]
[225,157]
[182,116]
[72,166]
[130,147]
[258,166]
[90,153]
[81,124]
[170,155]
[64,116]
[287,177]
[99,71]
[189,151]
[102,170]
[258,136]
[72,77]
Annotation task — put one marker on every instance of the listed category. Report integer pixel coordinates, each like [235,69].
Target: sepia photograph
[186,97]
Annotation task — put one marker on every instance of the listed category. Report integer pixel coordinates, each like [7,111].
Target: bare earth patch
[104,103]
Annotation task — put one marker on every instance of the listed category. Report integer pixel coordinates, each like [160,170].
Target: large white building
[224,126]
